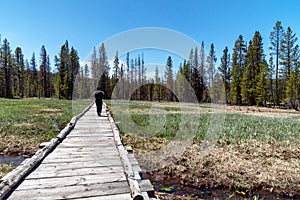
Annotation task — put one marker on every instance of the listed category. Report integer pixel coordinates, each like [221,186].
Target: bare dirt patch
[265,112]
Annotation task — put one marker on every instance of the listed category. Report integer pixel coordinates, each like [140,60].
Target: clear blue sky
[86,23]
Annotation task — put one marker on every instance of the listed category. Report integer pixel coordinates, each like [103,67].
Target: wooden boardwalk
[87,164]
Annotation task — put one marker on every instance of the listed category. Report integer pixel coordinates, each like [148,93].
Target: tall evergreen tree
[68,67]
[34,76]
[27,79]
[104,71]
[225,73]
[195,76]
[72,71]
[6,60]
[254,72]
[43,73]
[293,84]
[20,72]
[95,68]
[169,78]
[1,72]
[286,50]
[157,87]
[238,65]
[49,81]
[63,62]
[276,37]
[211,60]
[202,71]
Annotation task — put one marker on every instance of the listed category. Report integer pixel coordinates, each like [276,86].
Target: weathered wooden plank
[57,182]
[98,154]
[90,134]
[81,144]
[84,148]
[74,155]
[76,191]
[87,159]
[74,165]
[111,197]
[76,172]
[96,139]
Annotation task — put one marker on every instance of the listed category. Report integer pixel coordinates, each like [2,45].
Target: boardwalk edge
[133,178]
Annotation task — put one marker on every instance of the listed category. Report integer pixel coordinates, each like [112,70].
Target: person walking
[99,94]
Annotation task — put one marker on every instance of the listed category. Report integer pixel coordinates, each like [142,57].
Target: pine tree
[95,69]
[253,86]
[63,61]
[270,87]
[286,49]
[27,79]
[169,78]
[57,78]
[202,63]
[293,84]
[292,92]
[68,67]
[145,86]
[217,92]
[72,71]
[86,82]
[6,60]
[157,87]
[34,77]
[127,91]
[276,37]
[238,65]
[49,81]
[202,71]
[20,72]
[195,75]
[115,76]
[43,73]
[104,71]
[1,72]
[211,61]
[225,73]
[132,78]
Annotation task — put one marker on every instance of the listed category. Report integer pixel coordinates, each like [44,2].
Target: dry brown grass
[247,168]
[4,169]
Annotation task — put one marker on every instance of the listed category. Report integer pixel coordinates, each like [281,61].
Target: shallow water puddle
[11,159]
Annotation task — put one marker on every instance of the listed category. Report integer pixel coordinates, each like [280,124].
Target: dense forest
[244,76]
[20,77]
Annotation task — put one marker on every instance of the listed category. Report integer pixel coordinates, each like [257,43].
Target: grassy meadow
[25,123]
[255,152]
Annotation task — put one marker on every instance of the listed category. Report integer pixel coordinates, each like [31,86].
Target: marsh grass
[254,154]
[24,123]
[235,128]
[5,168]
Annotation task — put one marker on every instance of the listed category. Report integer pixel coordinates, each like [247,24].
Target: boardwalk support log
[135,191]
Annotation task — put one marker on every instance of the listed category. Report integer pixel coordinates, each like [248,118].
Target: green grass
[24,123]
[5,168]
[138,118]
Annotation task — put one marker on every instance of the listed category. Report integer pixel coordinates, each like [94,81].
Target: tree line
[244,76]
[20,77]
